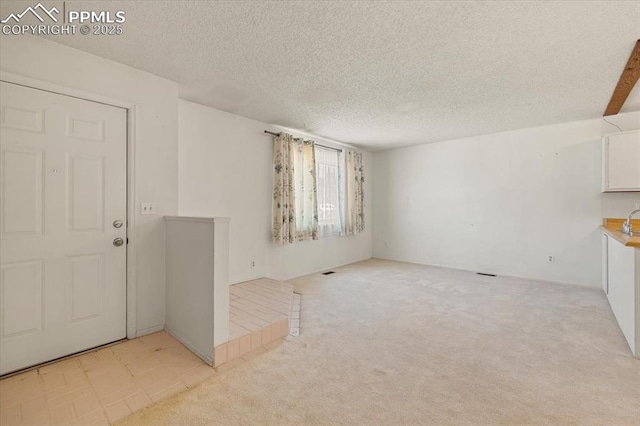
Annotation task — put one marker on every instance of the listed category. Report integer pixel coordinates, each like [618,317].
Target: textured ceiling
[381,74]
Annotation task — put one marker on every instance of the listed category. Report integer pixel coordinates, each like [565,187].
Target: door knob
[117,224]
[118,242]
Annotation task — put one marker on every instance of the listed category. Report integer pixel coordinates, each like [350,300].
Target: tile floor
[257,304]
[259,317]
[295,315]
[102,386]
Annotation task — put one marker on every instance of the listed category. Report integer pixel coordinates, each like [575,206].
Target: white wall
[156,116]
[225,169]
[500,203]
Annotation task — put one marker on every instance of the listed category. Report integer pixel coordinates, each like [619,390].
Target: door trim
[131,195]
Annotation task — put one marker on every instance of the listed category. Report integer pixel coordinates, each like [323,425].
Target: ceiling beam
[627,80]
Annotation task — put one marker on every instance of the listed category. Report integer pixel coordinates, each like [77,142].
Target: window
[328,190]
[317,191]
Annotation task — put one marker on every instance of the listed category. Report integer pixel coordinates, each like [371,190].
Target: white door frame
[131,195]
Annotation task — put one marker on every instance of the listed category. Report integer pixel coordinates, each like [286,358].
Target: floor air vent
[328,273]
[486,275]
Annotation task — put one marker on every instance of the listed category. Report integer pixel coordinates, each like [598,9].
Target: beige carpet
[388,343]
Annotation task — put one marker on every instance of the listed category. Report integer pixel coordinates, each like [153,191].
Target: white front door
[63,186]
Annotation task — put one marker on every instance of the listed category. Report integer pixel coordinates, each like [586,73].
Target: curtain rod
[324,146]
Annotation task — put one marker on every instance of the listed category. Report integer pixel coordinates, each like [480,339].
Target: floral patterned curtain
[354,193]
[284,218]
[295,210]
[305,190]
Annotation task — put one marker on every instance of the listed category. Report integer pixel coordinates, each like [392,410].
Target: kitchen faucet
[626,228]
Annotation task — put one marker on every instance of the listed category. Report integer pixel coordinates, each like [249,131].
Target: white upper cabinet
[621,162]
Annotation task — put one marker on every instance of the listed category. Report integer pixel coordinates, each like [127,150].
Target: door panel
[86,193]
[21,299]
[21,192]
[22,118]
[91,129]
[63,171]
[87,286]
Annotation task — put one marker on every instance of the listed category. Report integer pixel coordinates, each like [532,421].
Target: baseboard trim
[149,330]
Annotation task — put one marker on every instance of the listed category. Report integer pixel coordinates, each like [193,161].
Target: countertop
[613,228]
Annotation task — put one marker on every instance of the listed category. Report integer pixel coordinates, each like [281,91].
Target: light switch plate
[147,208]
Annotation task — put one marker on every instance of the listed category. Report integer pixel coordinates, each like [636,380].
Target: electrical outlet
[253,263]
[550,259]
[147,208]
